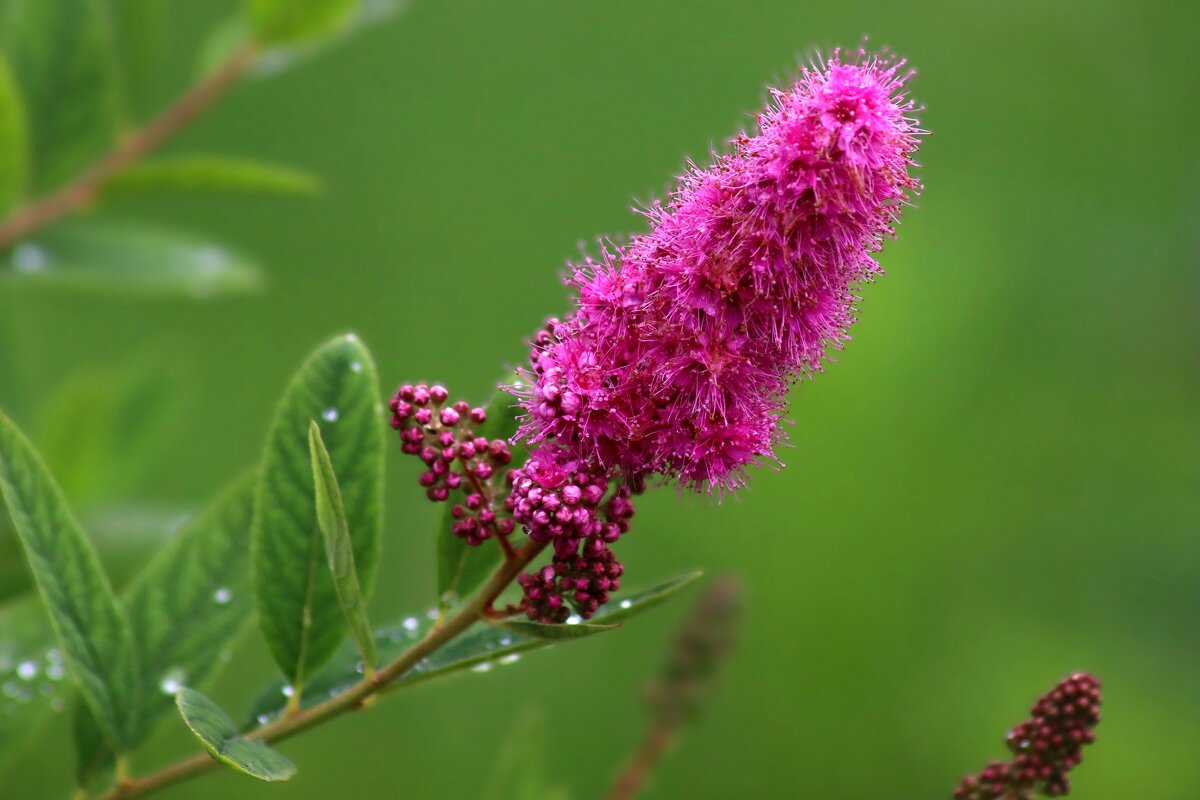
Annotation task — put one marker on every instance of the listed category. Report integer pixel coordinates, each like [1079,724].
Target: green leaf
[461,568]
[216,731]
[189,604]
[291,21]
[139,28]
[130,414]
[277,57]
[339,549]
[14,140]
[297,604]
[61,53]
[520,772]
[128,257]
[93,633]
[539,631]
[31,678]
[481,648]
[214,173]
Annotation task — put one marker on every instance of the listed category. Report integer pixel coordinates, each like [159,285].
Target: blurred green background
[996,483]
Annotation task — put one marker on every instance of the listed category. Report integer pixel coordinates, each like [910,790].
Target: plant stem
[633,778]
[353,699]
[81,191]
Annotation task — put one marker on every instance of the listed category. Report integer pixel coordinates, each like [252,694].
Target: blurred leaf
[139,28]
[291,21]
[480,648]
[520,770]
[297,604]
[30,677]
[61,53]
[216,731]
[14,140]
[128,257]
[339,549]
[92,631]
[197,173]
[184,609]
[128,414]
[230,35]
[462,568]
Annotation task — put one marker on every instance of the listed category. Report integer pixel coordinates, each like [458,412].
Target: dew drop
[55,671]
[625,603]
[263,719]
[485,666]
[172,681]
[14,691]
[356,366]
[30,258]
[222,595]
[330,415]
[431,613]
[287,690]
[27,670]
[574,619]
[505,641]
[410,624]
[511,658]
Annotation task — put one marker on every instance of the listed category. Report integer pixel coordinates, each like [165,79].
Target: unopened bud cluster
[564,504]
[1045,748]
[458,462]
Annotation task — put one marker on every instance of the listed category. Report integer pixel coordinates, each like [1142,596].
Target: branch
[132,148]
[288,726]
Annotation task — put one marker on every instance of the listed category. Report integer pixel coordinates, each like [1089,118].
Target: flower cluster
[560,502]
[685,339]
[1045,748]
[443,436]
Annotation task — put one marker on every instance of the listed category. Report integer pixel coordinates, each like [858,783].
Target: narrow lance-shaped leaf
[188,604]
[128,257]
[62,54]
[219,735]
[290,21]
[298,606]
[461,568]
[235,32]
[91,630]
[339,550]
[480,648]
[210,173]
[14,140]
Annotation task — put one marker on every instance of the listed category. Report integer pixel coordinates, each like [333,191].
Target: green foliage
[537,630]
[480,648]
[291,21]
[93,633]
[62,54]
[30,677]
[185,608]
[139,42]
[278,56]
[128,413]
[216,731]
[130,257]
[14,140]
[461,568]
[339,548]
[216,173]
[297,604]
[520,772]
